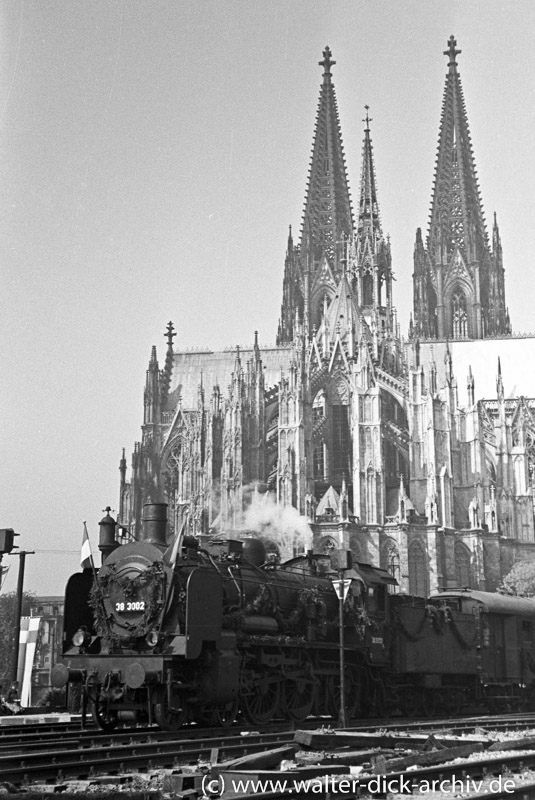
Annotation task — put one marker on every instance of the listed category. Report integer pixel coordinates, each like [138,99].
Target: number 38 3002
[135,605]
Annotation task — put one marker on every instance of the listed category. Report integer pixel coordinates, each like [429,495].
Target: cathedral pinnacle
[327,62]
[170,334]
[452,52]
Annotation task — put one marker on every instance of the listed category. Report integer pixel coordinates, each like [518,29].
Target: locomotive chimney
[254,551]
[106,541]
[154,528]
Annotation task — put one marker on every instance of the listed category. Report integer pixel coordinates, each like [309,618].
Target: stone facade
[344,434]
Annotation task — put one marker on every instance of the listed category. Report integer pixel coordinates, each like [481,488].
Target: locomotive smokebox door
[204,610]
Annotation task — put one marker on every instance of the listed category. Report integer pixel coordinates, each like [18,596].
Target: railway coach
[462,648]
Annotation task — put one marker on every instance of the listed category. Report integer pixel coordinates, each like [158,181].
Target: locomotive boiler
[182,632]
[185,632]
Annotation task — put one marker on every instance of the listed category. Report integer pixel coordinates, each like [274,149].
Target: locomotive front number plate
[135,605]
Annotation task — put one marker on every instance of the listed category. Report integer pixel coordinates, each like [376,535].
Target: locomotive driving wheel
[298,695]
[169,717]
[260,695]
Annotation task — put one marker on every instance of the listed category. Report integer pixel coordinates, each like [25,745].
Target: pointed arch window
[367,289]
[341,442]
[462,566]
[418,572]
[319,461]
[318,420]
[459,316]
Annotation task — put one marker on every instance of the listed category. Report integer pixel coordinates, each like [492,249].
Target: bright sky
[153,156]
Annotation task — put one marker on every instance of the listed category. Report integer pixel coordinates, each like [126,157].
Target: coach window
[527,631]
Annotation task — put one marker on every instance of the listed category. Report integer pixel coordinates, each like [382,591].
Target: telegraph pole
[20,583]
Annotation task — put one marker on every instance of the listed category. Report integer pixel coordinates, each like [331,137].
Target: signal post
[341,587]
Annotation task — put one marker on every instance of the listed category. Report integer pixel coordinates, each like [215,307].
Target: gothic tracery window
[459,316]
[462,566]
[367,289]
[341,440]
[418,570]
[319,461]
[318,419]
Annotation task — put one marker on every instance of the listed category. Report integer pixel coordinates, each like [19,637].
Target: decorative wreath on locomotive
[184,632]
[178,633]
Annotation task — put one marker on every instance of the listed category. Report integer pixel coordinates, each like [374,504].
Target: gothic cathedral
[345,434]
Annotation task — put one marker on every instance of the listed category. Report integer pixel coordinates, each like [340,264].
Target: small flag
[3,573]
[85,557]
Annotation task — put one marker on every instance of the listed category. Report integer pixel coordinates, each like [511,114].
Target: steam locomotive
[189,633]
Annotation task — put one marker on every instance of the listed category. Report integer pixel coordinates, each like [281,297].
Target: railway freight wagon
[461,648]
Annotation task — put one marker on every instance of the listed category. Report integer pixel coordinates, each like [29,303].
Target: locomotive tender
[182,633]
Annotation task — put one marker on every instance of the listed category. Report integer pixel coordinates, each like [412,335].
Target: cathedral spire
[460,280]
[328,215]
[371,264]
[327,223]
[456,211]
[368,222]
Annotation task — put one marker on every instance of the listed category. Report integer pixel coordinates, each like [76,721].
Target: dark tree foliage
[520,580]
[8,610]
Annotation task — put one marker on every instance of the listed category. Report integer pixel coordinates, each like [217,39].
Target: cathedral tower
[370,258]
[341,422]
[314,267]
[458,279]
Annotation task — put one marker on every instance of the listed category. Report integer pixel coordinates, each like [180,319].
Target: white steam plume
[283,525]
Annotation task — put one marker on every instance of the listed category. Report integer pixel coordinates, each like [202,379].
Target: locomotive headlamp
[81,638]
[152,638]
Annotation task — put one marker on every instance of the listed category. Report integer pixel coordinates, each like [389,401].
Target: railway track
[86,758]
[511,721]
[53,756]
